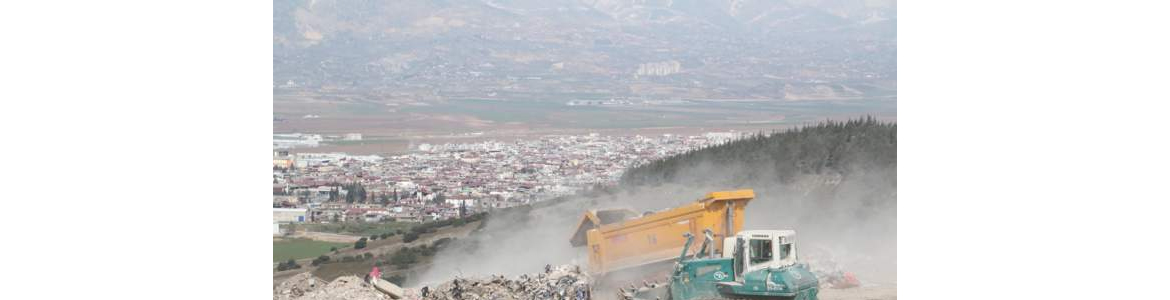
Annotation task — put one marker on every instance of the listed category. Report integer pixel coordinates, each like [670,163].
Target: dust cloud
[849,218]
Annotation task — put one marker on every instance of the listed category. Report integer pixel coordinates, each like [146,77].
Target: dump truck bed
[634,241]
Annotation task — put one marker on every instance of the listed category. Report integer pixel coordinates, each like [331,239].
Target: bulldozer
[730,263]
[762,265]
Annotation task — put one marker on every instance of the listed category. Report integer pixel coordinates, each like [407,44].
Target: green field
[285,249]
[360,229]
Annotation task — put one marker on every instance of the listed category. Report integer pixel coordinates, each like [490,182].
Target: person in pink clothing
[375,274]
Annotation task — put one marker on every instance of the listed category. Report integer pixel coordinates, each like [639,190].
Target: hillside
[829,148]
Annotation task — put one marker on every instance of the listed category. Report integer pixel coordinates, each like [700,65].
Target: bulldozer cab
[761,249]
[755,264]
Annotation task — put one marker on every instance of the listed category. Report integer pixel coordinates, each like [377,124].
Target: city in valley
[442,181]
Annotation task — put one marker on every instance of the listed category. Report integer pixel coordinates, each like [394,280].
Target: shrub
[410,237]
[361,243]
[385,235]
[367,255]
[373,237]
[321,260]
[288,265]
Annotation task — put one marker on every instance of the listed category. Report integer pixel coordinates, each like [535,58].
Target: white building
[722,137]
[295,140]
[659,68]
[290,215]
[461,202]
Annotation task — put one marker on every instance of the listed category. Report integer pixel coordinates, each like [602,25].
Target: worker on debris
[374,275]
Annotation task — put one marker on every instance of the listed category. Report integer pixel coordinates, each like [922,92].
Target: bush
[360,244]
[367,255]
[288,265]
[321,260]
[373,237]
[410,237]
[386,235]
[333,249]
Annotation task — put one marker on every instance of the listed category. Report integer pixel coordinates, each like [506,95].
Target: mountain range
[585,49]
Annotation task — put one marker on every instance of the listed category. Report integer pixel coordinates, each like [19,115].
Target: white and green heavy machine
[754,264]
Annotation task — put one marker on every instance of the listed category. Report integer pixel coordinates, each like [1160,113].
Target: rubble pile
[306,287]
[296,286]
[565,282]
[829,272]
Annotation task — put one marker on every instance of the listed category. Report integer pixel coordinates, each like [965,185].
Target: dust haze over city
[442,141]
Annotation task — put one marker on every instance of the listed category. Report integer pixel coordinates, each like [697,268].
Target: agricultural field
[393,129]
[284,249]
[360,229]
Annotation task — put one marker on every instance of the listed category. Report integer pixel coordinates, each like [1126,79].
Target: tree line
[829,146]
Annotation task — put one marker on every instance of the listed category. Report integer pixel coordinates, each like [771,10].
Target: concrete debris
[829,273]
[391,289]
[565,282]
[840,280]
[296,286]
[347,287]
[306,287]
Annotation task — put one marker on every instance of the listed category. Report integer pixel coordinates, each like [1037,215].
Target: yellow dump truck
[620,239]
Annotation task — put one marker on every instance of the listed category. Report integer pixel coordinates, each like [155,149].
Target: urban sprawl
[435,182]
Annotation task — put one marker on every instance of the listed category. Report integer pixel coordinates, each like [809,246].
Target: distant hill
[830,148]
[419,50]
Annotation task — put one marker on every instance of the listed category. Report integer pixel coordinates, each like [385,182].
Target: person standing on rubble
[374,275]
